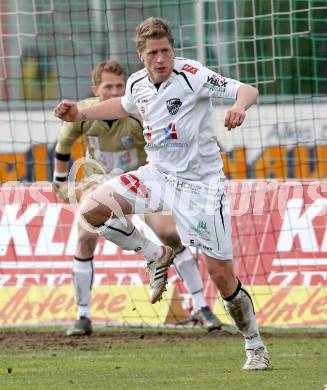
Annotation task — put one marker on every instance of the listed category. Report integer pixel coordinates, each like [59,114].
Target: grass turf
[148,359]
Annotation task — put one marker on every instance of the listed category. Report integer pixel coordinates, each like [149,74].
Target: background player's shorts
[201,210]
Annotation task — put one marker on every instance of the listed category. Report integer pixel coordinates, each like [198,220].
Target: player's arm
[211,84]
[107,109]
[246,97]
[67,136]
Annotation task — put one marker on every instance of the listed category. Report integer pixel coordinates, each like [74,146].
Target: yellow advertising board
[274,306]
[279,306]
[110,304]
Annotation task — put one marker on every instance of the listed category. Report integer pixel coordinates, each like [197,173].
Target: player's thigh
[104,203]
[161,223]
[143,189]
[164,226]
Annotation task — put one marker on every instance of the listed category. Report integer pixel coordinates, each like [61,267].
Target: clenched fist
[67,110]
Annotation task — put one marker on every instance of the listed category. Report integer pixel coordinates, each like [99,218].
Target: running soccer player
[110,145]
[184,171]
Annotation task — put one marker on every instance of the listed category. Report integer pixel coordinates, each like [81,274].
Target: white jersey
[178,118]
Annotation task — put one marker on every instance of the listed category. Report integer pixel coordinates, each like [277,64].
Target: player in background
[184,171]
[116,144]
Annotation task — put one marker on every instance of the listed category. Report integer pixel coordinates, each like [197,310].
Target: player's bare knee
[93,213]
[219,279]
[170,238]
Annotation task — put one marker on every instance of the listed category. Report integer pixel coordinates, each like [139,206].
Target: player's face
[112,85]
[158,58]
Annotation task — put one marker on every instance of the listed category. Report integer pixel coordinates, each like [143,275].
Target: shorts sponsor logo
[190,69]
[200,231]
[133,183]
[184,186]
[216,83]
[173,105]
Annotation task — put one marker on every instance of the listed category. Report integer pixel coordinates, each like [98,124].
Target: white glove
[60,185]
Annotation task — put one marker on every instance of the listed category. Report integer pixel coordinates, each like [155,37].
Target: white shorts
[201,210]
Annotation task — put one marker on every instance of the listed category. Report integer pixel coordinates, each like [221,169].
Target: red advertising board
[280,252]
[279,236]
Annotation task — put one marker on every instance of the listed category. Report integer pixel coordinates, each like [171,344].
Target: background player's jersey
[178,117]
[114,144]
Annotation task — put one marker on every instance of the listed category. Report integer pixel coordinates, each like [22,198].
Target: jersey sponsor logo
[173,105]
[170,134]
[216,83]
[133,183]
[170,131]
[127,141]
[190,69]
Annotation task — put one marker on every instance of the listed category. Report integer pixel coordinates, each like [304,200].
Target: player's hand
[60,188]
[67,110]
[234,117]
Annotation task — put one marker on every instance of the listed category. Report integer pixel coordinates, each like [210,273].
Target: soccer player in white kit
[184,171]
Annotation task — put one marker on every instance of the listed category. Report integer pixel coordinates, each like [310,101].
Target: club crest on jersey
[173,105]
[190,69]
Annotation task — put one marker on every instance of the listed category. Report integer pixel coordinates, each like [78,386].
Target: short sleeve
[127,100]
[212,84]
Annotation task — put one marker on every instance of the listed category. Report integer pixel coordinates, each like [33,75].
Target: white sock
[83,280]
[198,300]
[188,271]
[129,238]
[240,307]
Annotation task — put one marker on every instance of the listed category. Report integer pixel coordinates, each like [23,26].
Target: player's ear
[95,90]
[140,55]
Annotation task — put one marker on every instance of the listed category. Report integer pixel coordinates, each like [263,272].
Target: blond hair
[152,28]
[110,66]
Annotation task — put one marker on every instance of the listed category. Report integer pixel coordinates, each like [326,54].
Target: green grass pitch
[122,358]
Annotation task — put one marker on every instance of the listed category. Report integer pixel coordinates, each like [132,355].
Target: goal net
[276,163]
